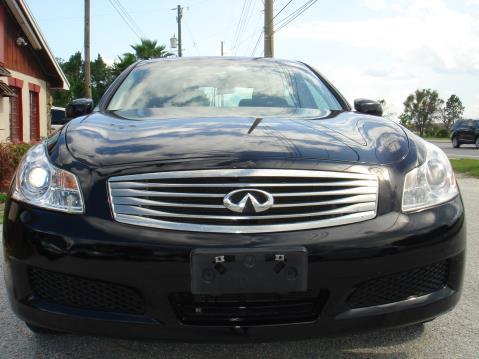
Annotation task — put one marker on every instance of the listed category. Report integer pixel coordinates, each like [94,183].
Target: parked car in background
[205,197]
[465,132]
[58,117]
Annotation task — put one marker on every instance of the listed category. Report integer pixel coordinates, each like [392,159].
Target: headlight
[430,184]
[39,183]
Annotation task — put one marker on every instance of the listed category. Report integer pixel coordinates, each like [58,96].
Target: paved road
[465,151]
[455,335]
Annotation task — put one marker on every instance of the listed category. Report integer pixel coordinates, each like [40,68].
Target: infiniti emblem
[248,201]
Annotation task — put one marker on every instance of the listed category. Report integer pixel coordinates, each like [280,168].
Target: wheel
[477,142]
[455,142]
[40,330]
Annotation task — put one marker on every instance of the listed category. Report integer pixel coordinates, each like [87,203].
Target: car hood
[105,139]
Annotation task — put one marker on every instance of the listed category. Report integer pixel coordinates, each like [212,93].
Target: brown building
[28,71]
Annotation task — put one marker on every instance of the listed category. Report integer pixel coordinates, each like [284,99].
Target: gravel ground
[454,335]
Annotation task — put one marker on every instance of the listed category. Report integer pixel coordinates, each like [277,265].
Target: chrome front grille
[194,200]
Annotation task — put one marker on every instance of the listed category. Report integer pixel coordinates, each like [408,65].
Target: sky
[378,49]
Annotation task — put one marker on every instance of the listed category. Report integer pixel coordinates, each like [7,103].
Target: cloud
[472,111]
[398,47]
[425,32]
[374,83]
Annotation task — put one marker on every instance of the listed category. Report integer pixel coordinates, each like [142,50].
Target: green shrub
[3,197]
[10,156]
[436,130]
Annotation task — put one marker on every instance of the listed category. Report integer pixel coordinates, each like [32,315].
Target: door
[34,117]
[468,134]
[16,116]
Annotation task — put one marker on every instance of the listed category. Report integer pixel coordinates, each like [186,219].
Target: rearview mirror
[79,107]
[368,107]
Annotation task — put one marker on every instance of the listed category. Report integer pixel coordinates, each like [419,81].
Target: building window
[34,116]
[16,116]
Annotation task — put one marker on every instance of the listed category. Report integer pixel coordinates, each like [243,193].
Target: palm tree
[123,62]
[149,49]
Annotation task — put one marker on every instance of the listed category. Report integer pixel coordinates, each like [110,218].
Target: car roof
[230,59]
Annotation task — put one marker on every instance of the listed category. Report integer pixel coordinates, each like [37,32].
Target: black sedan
[223,198]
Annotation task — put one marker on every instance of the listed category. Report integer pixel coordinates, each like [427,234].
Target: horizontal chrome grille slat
[141,193]
[354,199]
[237,173]
[193,200]
[154,223]
[136,185]
[133,210]
[144,193]
[148,202]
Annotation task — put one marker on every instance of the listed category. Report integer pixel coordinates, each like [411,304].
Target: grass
[467,167]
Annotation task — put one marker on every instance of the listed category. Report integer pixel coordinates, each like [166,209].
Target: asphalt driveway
[454,335]
[465,151]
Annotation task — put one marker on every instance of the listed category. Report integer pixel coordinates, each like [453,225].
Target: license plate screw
[220,259]
[279,258]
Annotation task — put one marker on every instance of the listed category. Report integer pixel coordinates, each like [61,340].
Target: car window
[58,117]
[220,84]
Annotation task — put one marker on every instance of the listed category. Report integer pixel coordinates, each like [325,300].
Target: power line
[124,19]
[295,12]
[293,16]
[284,7]
[257,43]
[130,18]
[252,35]
[243,23]
[192,37]
[235,36]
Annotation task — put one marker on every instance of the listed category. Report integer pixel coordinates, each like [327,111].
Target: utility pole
[87,74]
[178,19]
[222,48]
[268,29]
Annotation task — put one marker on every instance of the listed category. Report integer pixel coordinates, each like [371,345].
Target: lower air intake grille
[246,309]
[400,286]
[77,292]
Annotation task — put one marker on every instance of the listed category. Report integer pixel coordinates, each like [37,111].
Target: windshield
[216,87]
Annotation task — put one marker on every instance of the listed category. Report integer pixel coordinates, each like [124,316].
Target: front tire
[40,330]
[455,142]
[477,142]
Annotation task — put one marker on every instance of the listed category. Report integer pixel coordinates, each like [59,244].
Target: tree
[452,111]
[421,108]
[146,49]
[406,121]
[101,77]
[73,69]
[149,49]
[123,63]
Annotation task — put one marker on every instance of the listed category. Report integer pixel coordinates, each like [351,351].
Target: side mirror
[79,107]
[368,107]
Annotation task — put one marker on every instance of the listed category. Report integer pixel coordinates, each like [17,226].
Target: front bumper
[156,265]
